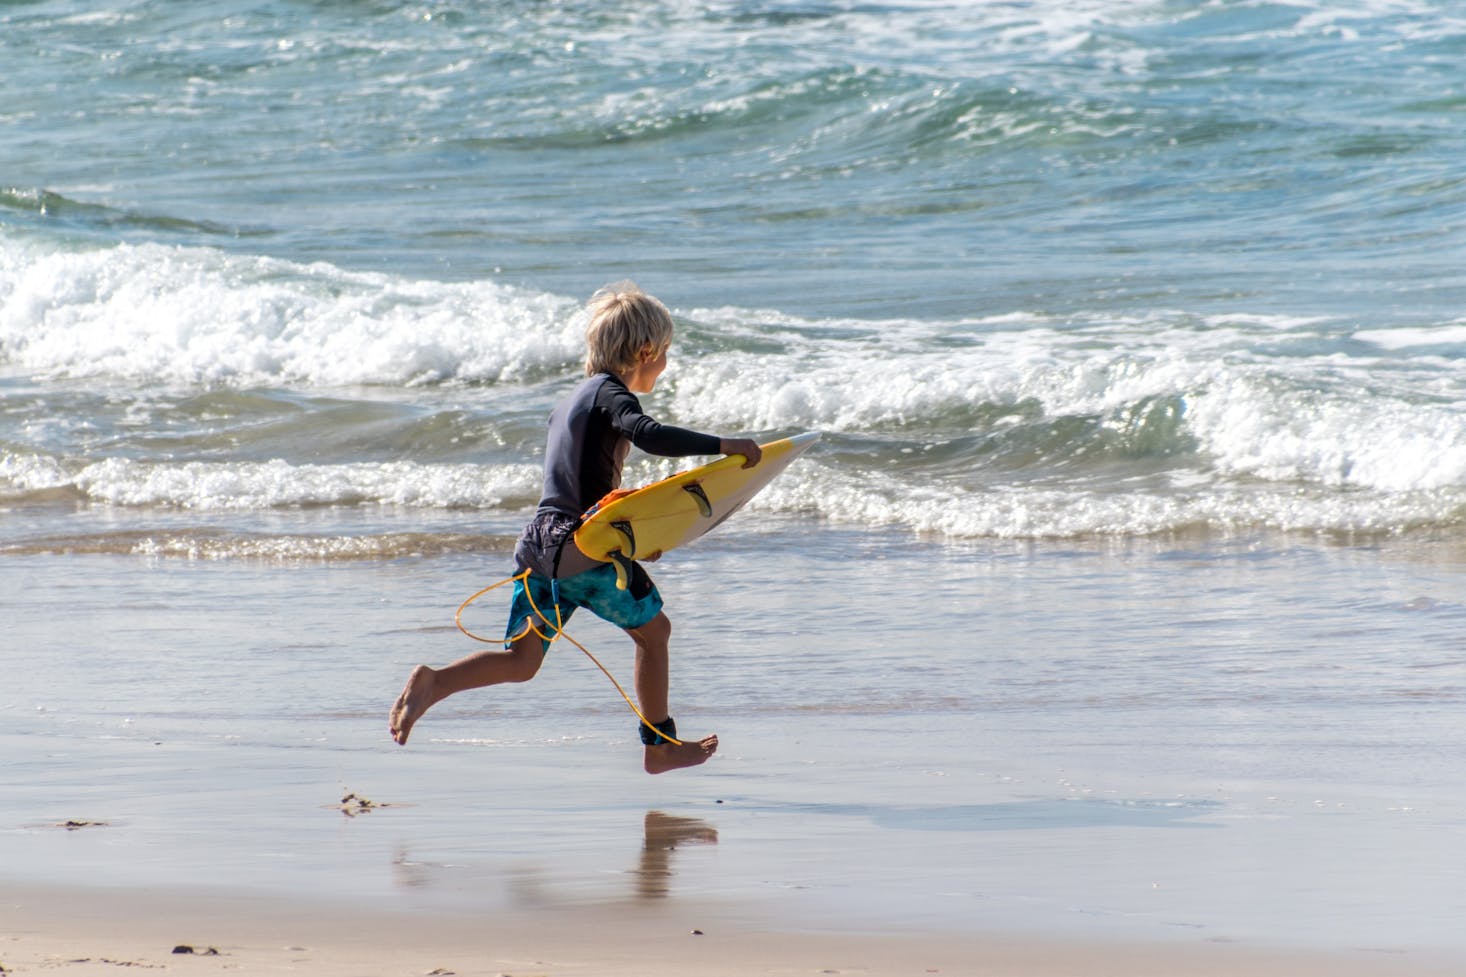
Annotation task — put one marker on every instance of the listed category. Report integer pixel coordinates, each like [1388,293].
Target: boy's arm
[664,439]
[667,440]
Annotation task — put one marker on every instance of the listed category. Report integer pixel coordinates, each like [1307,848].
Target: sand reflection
[664,833]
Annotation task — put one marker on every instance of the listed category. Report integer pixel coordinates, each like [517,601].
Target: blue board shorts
[594,589]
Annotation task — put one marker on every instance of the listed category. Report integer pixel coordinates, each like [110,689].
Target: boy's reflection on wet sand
[663,834]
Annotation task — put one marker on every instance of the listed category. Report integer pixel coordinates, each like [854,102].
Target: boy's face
[644,377]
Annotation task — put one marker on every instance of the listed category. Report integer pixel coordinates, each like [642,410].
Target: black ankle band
[665,732]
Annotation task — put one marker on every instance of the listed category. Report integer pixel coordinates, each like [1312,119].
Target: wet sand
[1179,760]
[78,932]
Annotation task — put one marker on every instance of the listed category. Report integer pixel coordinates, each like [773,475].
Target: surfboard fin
[703,505]
[623,526]
[623,568]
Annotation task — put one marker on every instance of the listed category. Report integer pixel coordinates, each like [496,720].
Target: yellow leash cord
[559,633]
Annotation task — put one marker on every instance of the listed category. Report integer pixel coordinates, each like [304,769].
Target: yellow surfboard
[626,526]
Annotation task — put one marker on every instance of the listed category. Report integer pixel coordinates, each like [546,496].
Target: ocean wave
[241,485]
[837,484]
[1168,503]
[78,215]
[1120,136]
[215,544]
[1283,399]
[192,315]
[1443,342]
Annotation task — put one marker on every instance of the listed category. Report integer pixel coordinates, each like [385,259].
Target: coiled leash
[651,733]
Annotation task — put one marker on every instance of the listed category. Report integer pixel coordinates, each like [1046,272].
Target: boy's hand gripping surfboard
[631,525]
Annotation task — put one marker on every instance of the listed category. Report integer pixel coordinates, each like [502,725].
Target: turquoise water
[823,159]
[1134,332]
[1036,269]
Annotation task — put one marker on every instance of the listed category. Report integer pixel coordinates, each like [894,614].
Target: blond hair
[626,326]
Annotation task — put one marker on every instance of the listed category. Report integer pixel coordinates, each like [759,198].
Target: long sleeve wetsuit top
[591,432]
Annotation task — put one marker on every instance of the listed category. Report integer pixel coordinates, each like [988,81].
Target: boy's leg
[652,677]
[426,686]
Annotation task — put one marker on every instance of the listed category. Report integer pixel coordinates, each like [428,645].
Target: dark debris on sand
[353,804]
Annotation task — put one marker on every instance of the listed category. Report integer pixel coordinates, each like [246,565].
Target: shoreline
[82,932]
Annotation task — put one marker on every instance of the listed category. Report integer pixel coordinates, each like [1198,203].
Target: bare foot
[673,756]
[417,695]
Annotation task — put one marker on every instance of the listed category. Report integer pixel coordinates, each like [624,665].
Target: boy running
[590,433]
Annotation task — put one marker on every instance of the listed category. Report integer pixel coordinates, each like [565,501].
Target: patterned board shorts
[594,589]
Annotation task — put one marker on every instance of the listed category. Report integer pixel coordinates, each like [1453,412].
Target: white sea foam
[286,549]
[1009,513]
[196,315]
[1444,336]
[240,485]
[1253,424]
[1291,402]
[1318,418]
[811,487]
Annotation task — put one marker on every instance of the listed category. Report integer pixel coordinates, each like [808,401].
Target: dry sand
[80,933]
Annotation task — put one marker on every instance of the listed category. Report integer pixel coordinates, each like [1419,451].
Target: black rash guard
[591,432]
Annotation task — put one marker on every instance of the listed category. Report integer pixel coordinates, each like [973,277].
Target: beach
[1116,624]
[82,934]
[1039,802]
